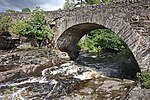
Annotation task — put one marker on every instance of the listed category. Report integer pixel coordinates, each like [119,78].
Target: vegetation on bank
[144,79]
[4,25]
[34,28]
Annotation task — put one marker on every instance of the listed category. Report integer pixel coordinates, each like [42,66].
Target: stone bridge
[129,19]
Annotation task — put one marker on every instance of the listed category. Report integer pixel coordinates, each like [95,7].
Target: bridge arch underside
[67,41]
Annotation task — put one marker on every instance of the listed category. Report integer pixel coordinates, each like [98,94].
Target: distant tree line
[25,10]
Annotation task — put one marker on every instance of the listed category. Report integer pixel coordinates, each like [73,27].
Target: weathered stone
[71,25]
[7,43]
[138,94]
[28,63]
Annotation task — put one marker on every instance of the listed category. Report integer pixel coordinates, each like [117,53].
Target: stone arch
[120,23]
[74,31]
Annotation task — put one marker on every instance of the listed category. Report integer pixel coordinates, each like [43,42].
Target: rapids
[90,77]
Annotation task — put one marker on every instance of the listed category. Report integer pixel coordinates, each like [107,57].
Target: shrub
[38,29]
[20,27]
[144,78]
[4,25]
[34,28]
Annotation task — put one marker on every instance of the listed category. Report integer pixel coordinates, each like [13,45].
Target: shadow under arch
[68,40]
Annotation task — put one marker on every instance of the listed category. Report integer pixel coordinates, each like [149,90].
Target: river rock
[28,62]
[137,93]
[7,42]
[71,70]
[111,65]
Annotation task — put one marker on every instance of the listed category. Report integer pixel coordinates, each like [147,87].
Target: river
[104,76]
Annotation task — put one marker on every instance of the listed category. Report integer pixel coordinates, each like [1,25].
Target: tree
[26,10]
[69,4]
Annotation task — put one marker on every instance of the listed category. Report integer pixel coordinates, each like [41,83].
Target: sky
[47,5]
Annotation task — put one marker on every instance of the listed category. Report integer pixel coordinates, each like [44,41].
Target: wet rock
[87,90]
[7,42]
[111,65]
[70,69]
[110,85]
[38,76]
[139,94]
[28,61]
[100,89]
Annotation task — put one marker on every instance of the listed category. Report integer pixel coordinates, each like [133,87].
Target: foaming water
[69,81]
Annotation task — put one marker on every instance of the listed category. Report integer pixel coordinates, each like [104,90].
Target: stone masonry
[129,19]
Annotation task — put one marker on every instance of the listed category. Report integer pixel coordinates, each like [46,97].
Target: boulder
[7,43]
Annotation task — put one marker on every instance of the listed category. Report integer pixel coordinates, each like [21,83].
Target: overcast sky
[46,5]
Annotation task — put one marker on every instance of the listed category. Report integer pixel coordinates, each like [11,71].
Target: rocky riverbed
[43,74]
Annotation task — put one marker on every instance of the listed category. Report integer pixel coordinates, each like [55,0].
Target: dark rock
[7,43]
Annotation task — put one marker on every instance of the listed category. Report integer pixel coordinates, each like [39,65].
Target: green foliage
[97,1]
[20,27]
[93,1]
[144,78]
[34,28]
[4,25]
[26,10]
[102,39]
[10,11]
[69,4]
[37,22]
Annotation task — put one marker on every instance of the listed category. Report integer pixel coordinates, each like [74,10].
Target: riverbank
[44,74]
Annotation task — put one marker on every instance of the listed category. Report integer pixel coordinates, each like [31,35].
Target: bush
[144,78]
[102,39]
[4,25]
[34,28]
[20,27]
[38,29]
